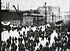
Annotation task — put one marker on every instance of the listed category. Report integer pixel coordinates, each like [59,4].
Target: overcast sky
[33,4]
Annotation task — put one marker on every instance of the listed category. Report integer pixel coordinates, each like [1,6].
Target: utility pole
[59,12]
[0,28]
[69,7]
[45,14]
[52,16]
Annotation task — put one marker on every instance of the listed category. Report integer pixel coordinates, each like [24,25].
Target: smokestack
[8,5]
[18,7]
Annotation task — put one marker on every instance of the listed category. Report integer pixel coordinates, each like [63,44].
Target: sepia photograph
[35,25]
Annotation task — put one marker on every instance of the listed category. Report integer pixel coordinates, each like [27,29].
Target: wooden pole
[45,14]
[0,27]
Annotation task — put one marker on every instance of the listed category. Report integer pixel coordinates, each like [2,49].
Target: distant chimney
[8,5]
[18,7]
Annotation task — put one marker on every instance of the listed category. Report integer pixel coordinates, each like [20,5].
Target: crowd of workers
[30,41]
